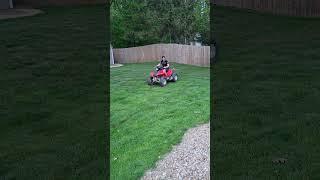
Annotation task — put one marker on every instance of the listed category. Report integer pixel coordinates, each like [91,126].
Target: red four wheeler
[161,76]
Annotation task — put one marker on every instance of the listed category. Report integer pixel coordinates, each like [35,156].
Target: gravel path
[188,160]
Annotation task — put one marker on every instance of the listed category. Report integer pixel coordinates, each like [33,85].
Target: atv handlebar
[159,68]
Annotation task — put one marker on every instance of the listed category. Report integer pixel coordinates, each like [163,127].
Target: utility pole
[111,55]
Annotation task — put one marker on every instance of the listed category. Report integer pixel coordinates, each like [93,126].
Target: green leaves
[141,22]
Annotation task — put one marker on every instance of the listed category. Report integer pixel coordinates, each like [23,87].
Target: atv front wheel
[163,82]
[174,77]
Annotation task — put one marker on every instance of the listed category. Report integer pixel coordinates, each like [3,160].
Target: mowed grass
[266,96]
[147,120]
[53,100]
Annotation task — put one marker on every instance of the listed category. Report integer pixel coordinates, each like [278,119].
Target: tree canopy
[141,22]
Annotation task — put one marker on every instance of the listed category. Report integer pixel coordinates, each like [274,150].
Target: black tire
[174,77]
[163,82]
[149,81]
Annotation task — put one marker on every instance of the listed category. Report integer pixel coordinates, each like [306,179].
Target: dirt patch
[16,13]
[115,65]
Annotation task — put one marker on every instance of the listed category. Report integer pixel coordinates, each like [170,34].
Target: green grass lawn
[52,93]
[267,96]
[147,120]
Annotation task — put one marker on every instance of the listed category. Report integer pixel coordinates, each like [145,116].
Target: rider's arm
[167,65]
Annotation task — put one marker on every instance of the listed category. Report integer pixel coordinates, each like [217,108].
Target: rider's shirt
[164,63]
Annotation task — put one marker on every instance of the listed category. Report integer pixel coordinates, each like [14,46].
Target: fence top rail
[302,8]
[165,45]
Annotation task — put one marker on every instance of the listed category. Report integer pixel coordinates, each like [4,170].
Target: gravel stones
[188,160]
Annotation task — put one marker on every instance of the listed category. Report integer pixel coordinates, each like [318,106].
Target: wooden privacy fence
[184,54]
[284,7]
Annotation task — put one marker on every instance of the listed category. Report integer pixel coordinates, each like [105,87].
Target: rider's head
[163,57]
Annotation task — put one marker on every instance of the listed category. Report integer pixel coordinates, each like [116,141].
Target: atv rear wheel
[174,77]
[163,82]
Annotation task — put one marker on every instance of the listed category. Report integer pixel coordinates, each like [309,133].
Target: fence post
[111,55]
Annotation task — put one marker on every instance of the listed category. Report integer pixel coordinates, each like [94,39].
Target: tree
[202,20]
[141,22]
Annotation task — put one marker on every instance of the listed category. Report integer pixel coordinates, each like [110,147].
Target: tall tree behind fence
[184,54]
[284,7]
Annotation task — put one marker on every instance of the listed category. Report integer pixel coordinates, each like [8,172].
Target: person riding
[164,63]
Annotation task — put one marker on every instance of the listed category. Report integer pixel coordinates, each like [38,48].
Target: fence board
[184,54]
[284,7]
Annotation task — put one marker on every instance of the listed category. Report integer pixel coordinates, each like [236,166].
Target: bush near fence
[183,54]
[284,7]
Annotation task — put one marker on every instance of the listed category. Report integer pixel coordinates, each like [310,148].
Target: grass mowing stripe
[52,101]
[266,88]
[146,121]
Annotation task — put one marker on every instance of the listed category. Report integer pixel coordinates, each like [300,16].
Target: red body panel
[161,76]
[162,73]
